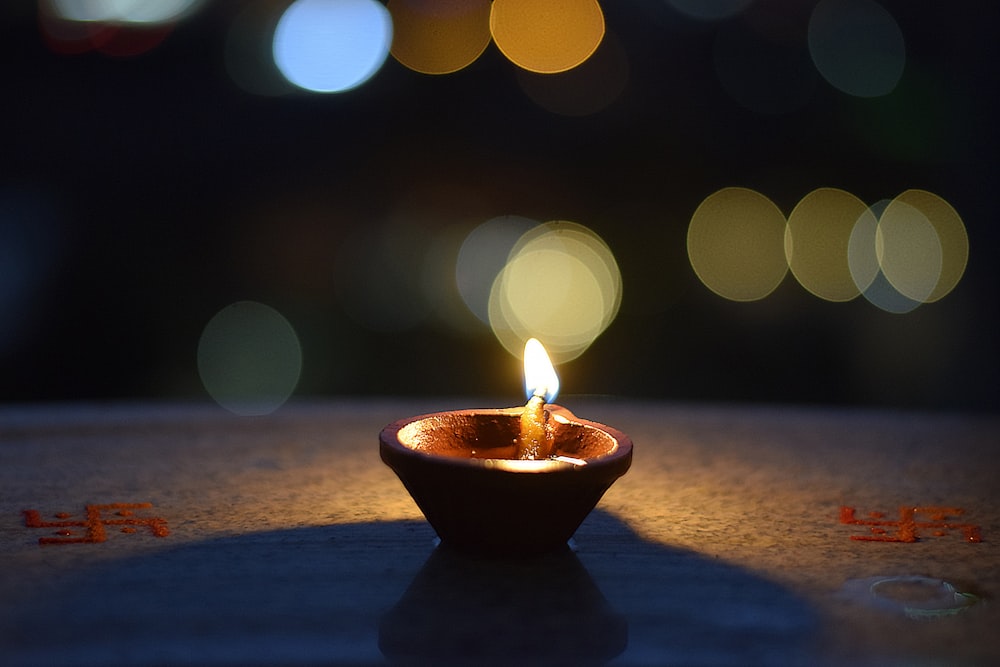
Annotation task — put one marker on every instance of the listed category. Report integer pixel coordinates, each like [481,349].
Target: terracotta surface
[462,469]
[289,542]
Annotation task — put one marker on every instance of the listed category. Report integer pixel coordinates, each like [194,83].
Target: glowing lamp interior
[540,377]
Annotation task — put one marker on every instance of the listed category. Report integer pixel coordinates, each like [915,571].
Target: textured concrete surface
[284,539]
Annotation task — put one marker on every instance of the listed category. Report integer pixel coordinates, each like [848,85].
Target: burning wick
[536,441]
[541,385]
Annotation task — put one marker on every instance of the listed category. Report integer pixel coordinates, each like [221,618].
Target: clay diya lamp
[509,481]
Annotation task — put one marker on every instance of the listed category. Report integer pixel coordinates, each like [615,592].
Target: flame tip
[540,377]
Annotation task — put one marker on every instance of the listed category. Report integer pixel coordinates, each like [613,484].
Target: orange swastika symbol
[94,525]
[934,522]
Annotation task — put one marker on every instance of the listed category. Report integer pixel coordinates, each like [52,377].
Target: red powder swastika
[913,523]
[94,525]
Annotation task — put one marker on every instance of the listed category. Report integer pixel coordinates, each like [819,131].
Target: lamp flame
[540,377]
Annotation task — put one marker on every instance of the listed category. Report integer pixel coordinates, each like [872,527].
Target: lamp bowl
[461,469]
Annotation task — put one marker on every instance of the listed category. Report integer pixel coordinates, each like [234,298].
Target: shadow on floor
[373,593]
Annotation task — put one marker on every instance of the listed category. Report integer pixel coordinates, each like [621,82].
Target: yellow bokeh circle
[547,36]
[736,244]
[817,239]
[439,36]
[561,284]
[951,235]
[908,250]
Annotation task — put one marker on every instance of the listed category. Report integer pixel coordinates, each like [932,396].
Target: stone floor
[742,535]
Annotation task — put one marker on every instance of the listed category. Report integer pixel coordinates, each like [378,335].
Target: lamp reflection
[540,610]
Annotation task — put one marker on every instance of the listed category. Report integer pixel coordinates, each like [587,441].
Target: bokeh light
[709,10]
[330,46]
[950,232]
[68,37]
[583,244]
[909,251]
[115,36]
[439,36]
[816,242]
[482,256]
[587,89]
[249,358]
[857,46]
[547,36]
[123,11]
[736,244]
[864,259]
[561,285]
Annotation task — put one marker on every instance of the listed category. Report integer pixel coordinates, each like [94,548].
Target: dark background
[140,195]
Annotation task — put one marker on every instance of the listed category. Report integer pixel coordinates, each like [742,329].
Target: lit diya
[512,480]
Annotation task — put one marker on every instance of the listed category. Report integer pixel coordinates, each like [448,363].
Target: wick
[535,441]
